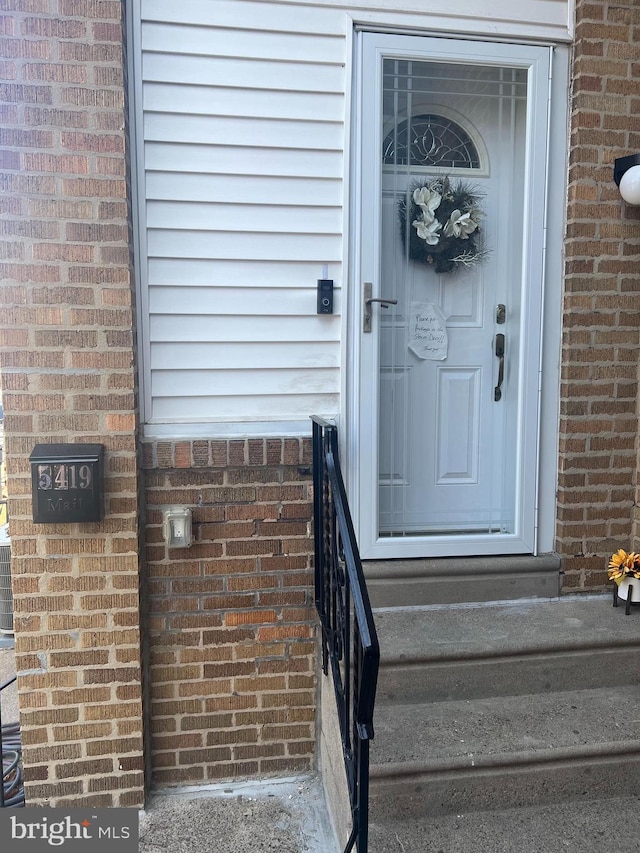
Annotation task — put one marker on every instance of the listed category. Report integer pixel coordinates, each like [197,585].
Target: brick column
[67,355]
[599,423]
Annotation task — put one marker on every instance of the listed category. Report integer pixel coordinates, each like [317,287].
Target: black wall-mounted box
[325,296]
[67,483]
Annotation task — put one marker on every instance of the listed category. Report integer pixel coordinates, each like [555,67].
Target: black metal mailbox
[67,482]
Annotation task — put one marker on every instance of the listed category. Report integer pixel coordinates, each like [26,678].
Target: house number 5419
[64,477]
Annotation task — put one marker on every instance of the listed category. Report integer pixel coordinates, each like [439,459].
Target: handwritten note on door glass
[428,332]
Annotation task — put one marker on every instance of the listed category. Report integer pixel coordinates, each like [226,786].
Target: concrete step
[503,730]
[610,825]
[402,583]
[503,705]
[507,675]
[503,627]
[463,652]
[499,753]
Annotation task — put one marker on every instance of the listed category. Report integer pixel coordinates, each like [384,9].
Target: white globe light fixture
[626,174]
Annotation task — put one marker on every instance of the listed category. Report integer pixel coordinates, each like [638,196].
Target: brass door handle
[368,300]
[497,391]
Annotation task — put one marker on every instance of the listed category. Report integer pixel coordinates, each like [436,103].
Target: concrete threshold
[455,566]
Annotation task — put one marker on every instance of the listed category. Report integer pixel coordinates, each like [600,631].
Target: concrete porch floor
[287,815]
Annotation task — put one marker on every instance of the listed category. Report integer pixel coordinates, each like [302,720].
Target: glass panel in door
[452,258]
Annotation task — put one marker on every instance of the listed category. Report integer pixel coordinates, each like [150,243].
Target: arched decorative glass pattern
[430,140]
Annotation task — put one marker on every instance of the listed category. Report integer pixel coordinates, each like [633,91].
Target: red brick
[18,93]
[55,118]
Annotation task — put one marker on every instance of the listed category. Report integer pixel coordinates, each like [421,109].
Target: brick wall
[66,350]
[599,424]
[231,618]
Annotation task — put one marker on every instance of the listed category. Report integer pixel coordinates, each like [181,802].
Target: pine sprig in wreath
[444,224]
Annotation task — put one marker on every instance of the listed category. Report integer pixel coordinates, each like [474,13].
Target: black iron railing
[11,790]
[349,640]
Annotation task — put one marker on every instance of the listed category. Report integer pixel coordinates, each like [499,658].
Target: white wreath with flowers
[445,224]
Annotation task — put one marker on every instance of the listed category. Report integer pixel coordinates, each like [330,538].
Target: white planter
[623,589]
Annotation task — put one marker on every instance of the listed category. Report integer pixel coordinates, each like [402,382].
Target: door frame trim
[550,346]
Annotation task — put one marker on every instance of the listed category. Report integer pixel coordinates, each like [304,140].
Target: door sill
[459,546]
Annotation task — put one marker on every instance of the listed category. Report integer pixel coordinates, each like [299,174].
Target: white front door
[449,367]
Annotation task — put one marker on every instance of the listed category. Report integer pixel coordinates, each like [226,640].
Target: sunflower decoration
[442,224]
[623,565]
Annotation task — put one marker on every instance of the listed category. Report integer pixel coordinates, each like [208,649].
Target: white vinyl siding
[241,125]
